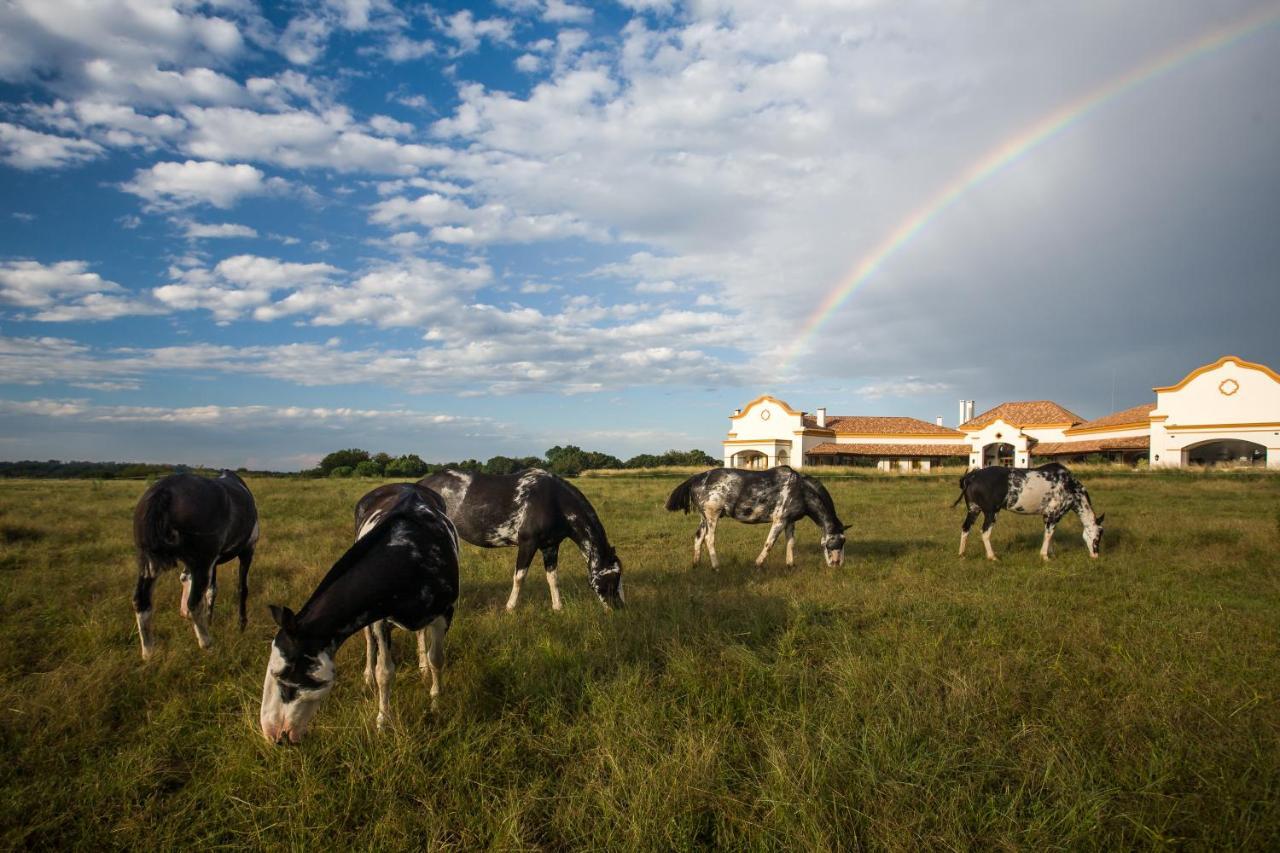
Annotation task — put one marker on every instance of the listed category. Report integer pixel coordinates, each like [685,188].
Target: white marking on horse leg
[1046,548]
[698,536]
[516,580]
[791,545]
[144,633]
[555,589]
[711,542]
[422,651]
[986,541]
[185,577]
[964,540]
[774,530]
[436,657]
[200,624]
[370,656]
[386,672]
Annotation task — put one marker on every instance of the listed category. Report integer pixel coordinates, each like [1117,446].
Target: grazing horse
[403,571]
[201,523]
[535,511]
[779,496]
[1050,491]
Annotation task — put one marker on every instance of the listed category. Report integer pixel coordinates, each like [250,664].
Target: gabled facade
[1227,411]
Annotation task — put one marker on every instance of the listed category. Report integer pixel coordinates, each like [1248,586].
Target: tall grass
[908,699]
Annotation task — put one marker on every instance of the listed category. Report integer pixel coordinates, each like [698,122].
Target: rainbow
[1006,152]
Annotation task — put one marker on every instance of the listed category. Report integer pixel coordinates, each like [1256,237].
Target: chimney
[938,420]
[822,416]
[966,411]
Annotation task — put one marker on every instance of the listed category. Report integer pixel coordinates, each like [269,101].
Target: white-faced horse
[535,511]
[200,523]
[779,497]
[404,572]
[1049,491]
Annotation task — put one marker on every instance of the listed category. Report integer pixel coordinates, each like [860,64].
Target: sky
[249,233]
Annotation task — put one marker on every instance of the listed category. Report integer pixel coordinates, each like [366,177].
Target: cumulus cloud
[65,291]
[175,185]
[451,220]
[24,148]
[215,231]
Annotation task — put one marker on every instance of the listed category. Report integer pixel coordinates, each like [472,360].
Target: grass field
[908,699]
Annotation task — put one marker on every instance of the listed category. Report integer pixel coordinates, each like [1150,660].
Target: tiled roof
[831,448]
[1124,417]
[875,425]
[1025,413]
[1099,445]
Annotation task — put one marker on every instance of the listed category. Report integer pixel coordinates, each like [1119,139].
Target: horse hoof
[146,654]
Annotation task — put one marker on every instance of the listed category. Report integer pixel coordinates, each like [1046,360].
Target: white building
[1228,411]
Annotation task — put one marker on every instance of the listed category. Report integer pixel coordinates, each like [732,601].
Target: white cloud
[450,220]
[24,148]
[910,386]
[468,32]
[561,12]
[172,185]
[239,284]
[65,291]
[216,231]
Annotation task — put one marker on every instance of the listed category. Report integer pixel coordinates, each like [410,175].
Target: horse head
[1093,535]
[300,674]
[833,545]
[606,579]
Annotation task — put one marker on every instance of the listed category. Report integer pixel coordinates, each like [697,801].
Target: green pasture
[907,700]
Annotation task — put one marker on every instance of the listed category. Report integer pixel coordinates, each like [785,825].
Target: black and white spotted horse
[779,496]
[535,511]
[403,571]
[201,523]
[1049,491]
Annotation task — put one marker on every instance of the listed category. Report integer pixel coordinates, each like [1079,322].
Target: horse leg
[370,656]
[196,601]
[790,530]
[246,560]
[439,627]
[774,530]
[700,535]
[185,579]
[970,517]
[711,540]
[524,556]
[422,651]
[1050,525]
[142,610]
[211,591]
[988,522]
[550,562]
[386,670]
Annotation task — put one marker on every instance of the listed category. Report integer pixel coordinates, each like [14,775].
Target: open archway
[752,459]
[1225,451]
[998,453]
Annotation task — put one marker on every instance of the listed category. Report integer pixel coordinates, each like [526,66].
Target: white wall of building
[1229,399]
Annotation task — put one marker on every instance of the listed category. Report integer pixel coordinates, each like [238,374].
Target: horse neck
[816,508]
[586,531]
[1084,509]
[338,611]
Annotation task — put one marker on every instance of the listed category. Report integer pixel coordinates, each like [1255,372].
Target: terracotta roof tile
[1100,445]
[1131,415]
[831,448]
[1025,413]
[877,425]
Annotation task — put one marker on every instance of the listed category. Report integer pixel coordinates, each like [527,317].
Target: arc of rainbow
[1006,152]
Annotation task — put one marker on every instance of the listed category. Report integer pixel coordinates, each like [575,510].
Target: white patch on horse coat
[144,633]
[370,523]
[1036,493]
[508,533]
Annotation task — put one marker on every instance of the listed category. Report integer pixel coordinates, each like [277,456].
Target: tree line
[567,461]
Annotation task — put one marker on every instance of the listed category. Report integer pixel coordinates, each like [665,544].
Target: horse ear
[283,617]
[1101,517]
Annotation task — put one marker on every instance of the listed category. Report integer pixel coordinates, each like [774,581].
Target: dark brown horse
[200,523]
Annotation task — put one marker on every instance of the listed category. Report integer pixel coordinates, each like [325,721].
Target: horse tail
[156,537]
[682,497]
[964,483]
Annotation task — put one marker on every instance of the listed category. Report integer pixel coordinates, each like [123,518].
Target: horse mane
[586,509]
[814,486]
[361,547]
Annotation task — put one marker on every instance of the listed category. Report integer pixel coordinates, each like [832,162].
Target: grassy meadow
[907,700]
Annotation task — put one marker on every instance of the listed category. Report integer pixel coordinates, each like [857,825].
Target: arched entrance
[999,453]
[753,459]
[784,458]
[1225,451]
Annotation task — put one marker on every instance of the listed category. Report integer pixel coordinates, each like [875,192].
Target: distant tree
[501,465]
[343,459]
[409,465]
[341,471]
[567,461]
[368,468]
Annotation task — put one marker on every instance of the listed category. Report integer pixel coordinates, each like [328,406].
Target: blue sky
[249,233]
